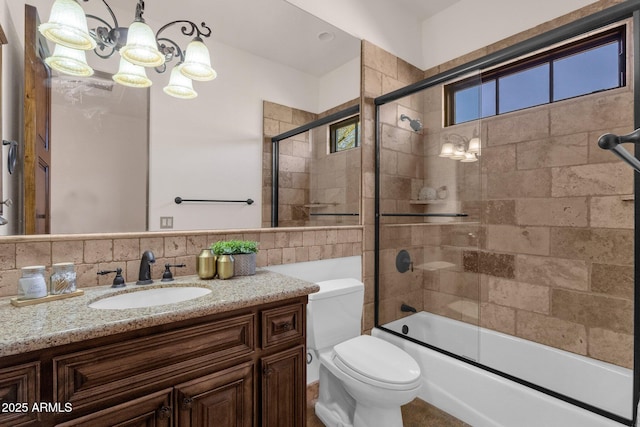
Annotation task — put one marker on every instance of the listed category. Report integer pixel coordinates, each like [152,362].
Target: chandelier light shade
[458,153]
[69,61]
[142,47]
[179,85]
[67,26]
[197,62]
[137,45]
[468,158]
[458,147]
[131,75]
[446,150]
[474,145]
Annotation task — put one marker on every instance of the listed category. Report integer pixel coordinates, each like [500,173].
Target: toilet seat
[377,362]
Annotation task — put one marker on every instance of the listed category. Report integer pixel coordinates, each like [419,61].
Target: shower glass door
[501,221]
[429,235]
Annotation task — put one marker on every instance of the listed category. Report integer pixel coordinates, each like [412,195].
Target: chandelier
[139,48]
[458,147]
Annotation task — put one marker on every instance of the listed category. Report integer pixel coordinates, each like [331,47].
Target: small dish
[427,193]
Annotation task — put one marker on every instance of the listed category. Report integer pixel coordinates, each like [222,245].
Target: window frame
[617,34]
[333,148]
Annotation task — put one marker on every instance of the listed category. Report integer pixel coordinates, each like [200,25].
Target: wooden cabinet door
[19,390]
[153,410]
[283,389]
[221,399]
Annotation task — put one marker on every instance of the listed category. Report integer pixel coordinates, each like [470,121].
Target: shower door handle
[613,142]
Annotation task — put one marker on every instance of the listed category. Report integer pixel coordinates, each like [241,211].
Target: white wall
[211,147]
[99,177]
[384,23]
[337,86]
[471,24]
[462,28]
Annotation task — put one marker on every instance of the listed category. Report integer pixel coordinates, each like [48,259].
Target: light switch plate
[166,222]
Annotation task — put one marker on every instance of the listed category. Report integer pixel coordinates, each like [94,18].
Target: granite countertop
[70,320]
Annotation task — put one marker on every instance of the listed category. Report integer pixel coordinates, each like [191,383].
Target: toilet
[363,379]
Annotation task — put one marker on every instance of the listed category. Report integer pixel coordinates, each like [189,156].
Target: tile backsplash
[94,252]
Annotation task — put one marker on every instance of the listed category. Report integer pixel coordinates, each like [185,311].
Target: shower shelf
[425,214]
[425,202]
[319,205]
[334,214]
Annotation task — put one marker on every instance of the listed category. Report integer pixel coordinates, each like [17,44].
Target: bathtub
[482,398]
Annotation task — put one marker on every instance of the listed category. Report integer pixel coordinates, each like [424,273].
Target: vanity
[233,357]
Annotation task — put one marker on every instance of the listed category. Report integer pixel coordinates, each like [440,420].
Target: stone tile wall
[382,72]
[295,155]
[91,253]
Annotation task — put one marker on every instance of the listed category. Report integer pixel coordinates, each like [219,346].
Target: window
[589,65]
[345,134]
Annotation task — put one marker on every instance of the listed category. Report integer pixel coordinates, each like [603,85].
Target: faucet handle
[118,281]
[167,276]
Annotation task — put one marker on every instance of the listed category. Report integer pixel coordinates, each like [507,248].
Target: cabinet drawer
[19,390]
[282,324]
[98,377]
[152,410]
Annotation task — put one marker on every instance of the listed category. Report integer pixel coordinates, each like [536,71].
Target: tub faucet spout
[407,308]
[144,277]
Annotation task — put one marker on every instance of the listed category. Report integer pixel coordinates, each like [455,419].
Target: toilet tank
[334,313]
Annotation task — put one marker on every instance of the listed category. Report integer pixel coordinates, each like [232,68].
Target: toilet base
[363,416]
[367,416]
[336,407]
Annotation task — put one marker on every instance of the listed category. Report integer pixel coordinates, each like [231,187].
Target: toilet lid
[377,360]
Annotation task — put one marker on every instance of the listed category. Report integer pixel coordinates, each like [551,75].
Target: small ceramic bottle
[206,264]
[225,266]
[32,284]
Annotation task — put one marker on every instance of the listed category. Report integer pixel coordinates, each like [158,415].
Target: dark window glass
[345,134]
[578,68]
[569,78]
[523,89]
[475,102]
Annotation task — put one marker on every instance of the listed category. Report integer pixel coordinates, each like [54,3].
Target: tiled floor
[415,414]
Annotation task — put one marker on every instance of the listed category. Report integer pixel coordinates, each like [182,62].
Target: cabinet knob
[267,371]
[164,413]
[187,403]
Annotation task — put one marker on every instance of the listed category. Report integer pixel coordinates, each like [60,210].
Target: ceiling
[273,29]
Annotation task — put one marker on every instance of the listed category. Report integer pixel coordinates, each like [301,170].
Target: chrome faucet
[144,277]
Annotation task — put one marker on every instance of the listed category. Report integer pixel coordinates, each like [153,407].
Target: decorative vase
[244,264]
[206,264]
[225,266]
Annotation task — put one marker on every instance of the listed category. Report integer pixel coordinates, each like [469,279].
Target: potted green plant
[244,253]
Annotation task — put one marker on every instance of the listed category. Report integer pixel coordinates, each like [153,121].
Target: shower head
[416,125]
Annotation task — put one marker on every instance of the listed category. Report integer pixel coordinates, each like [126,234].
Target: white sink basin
[150,298]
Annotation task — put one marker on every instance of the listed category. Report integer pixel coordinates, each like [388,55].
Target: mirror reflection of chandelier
[458,147]
[137,45]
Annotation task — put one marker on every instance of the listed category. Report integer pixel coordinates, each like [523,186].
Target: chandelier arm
[205,32]
[101,36]
[113,15]
[169,51]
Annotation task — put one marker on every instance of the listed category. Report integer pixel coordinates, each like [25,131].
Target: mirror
[264,51]
[99,178]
